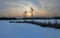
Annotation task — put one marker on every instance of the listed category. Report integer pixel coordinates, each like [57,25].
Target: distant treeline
[43,18]
[7,18]
[13,18]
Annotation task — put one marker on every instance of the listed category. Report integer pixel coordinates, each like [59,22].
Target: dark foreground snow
[24,30]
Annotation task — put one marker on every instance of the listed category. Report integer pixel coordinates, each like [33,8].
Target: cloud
[49,3]
[52,7]
[16,7]
[41,7]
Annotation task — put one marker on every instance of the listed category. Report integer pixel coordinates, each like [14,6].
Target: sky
[42,8]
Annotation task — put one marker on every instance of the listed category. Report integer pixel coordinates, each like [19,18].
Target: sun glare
[28,14]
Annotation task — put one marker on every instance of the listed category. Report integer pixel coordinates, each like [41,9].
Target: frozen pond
[24,30]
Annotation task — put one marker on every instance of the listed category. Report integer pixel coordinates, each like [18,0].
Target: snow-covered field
[25,30]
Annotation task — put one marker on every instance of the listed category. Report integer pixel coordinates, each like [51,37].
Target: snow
[25,30]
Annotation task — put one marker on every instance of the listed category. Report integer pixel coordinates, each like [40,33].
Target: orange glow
[28,14]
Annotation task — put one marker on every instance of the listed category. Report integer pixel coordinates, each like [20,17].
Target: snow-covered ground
[25,30]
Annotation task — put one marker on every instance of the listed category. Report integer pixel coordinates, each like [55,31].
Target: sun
[28,14]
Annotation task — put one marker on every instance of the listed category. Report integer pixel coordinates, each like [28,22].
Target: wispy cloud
[41,7]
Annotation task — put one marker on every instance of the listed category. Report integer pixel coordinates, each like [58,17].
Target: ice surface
[25,30]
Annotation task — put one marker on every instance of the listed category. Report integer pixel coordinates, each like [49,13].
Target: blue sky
[15,8]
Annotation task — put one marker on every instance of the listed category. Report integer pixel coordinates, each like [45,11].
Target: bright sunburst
[28,14]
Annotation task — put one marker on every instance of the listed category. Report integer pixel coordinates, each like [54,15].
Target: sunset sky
[16,8]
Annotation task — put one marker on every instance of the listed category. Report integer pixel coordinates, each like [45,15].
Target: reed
[55,25]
